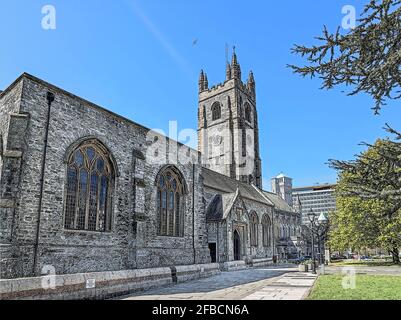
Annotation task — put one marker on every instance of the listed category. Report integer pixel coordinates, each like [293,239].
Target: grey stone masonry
[32,233]
[229,143]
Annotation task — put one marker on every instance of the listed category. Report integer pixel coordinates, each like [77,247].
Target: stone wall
[194,271]
[133,241]
[227,155]
[260,251]
[12,143]
[221,232]
[100,285]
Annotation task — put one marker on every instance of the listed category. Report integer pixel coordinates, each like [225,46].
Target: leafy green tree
[369,199]
[367,58]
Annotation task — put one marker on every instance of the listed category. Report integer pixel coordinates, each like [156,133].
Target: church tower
[228,133]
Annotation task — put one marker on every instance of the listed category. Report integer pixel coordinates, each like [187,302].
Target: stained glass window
[89,178]
[254,221]
[266,227]
[71,197]
[170,215]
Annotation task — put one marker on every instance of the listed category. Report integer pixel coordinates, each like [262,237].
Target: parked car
[366,258]
[302,259]
[338,257]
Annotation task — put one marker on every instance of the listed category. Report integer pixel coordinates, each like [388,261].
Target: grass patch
[368,287]
[365,263]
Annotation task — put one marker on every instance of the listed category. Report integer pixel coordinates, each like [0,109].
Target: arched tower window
[254,221]
[216,111]
[170,197]
[248,112]
[90,178]
[266,227]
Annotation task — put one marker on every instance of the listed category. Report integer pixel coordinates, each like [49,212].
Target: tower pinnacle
[235,66]
[251,83]
[228,71]
[203,82]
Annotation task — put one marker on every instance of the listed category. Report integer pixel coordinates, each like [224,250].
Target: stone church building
[80,189]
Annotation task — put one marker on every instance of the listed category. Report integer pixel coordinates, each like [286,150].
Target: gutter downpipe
[50,99]
[193,211]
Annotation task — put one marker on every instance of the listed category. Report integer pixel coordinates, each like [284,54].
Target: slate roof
[278,202]
[220,206]
[228,189]
[225,184]
[214,210]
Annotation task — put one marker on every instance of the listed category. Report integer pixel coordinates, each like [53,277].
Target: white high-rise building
[282,186]
[319,198]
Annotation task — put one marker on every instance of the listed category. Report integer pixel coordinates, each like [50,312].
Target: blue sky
[138,59]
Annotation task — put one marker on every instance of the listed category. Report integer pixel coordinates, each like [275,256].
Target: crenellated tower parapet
[228,134]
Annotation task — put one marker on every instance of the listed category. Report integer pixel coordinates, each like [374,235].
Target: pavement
[269,283]
[291,286]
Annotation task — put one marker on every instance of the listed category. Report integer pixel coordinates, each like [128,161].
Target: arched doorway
[237,246]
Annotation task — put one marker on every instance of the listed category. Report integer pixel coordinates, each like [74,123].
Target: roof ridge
[261,193]
[234,198]
[230,178]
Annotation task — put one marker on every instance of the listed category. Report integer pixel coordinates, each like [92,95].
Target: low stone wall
[262,262]
[97,285]
[233,265]
[196,271]
[100,285]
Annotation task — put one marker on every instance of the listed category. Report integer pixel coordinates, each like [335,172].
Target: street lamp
[312,217]
[322,218]
[323,223]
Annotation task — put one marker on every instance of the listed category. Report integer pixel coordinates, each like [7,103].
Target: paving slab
[287,287]
[269,283]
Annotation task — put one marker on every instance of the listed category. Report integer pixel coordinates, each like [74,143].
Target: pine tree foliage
[367,58]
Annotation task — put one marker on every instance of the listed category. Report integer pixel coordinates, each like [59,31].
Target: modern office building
[320,198]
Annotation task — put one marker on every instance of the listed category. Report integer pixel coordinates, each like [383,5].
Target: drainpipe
[218,242]
[134,223]
[273,235]
[193,212]
[50,99]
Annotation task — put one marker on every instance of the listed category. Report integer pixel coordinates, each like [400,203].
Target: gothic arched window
[170,199]
[248,112]
[90,177]
[266,225]
[216,111]
[254,221]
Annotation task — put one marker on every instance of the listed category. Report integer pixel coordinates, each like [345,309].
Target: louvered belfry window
[90,176]
[216,111]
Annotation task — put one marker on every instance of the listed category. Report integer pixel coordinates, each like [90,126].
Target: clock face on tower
[217,140]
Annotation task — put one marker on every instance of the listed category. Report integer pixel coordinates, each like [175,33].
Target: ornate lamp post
[312,217]
[323,222]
